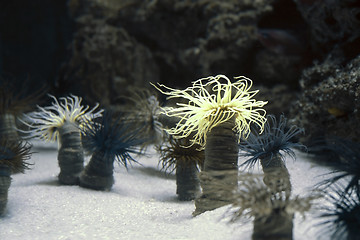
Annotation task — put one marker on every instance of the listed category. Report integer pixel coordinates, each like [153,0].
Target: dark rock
[329,104]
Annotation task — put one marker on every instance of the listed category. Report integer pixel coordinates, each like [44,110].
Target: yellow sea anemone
[45,122]
[212,101]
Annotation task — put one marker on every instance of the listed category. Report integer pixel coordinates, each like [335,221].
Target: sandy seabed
[141,205]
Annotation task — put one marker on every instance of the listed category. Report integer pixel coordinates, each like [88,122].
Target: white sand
[141,205]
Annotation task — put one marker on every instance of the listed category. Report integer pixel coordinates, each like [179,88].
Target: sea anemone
[341,215]
[269,147]
[62,122]
[143,107]
[211,103]
[345,164]
[186,161]
[46,122]
[13,158]
[272,213]
[108,140]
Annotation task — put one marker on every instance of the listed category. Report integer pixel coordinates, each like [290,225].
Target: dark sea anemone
[186,161]
[14,157]
[108,140]
[342,216]
[345,162]
[270,147]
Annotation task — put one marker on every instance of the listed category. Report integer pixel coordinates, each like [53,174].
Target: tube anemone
[341,217]
[13,158]
[186,161]
[270,147]
[62,122]
[217,114]
[271,213]
[106,141]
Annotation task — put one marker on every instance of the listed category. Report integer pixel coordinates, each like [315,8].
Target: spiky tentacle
[341,213]
[109,140]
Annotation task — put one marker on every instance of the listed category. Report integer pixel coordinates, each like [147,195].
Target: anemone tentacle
[277,138]
[108,140]
[211,103]
[45,122]
[113,137]
[15,155]
[341,215]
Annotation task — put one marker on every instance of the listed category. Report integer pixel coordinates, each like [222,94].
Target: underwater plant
[272,214]
[270,147]
[186,161]
[215,112]
[341,216]
[108,140]
[13,158]
[62,122]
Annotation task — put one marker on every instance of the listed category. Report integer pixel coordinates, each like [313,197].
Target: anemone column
[278,225]
[70,154]
[5,181]
[8,127]
[276,175]
[187,182]
[98,174]
[221,164]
